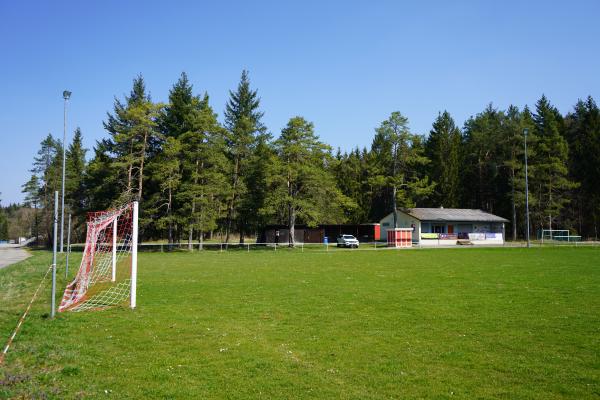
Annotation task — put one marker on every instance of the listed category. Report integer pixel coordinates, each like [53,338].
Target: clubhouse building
[447,226]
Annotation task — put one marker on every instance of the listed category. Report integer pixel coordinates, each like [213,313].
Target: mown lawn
[439,323]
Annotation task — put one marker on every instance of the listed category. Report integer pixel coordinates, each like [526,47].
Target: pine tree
[301,187]
[101,179]
[203,185]
[256,184]
[47,166]
[176,119]
[583,135]
[483,161]
[32,190]
[550,182]
[165,170]
[443,149]
[351,175]
[177,116]
[75,198]
[134,136]
[513,154]
[398,155]
[243,124]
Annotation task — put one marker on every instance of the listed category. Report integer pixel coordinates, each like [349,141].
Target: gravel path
[11,255]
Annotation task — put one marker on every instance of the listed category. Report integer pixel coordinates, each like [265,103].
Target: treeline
[197,177]
[3,224]
[16,221]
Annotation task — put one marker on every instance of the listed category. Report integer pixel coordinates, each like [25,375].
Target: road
[11,255]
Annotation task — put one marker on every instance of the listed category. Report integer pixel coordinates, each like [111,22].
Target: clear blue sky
[343,65]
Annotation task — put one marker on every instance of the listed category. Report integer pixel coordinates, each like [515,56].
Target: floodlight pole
[134,249]
[66,95]
[525,132]
[53,299]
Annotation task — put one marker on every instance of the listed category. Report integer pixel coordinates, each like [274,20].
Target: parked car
[347,241]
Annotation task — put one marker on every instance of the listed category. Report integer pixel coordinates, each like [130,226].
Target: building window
[439,228]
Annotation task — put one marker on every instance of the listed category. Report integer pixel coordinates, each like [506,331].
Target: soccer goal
[561,235]
[107,275]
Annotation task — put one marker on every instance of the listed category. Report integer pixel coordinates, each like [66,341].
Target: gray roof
[452,214]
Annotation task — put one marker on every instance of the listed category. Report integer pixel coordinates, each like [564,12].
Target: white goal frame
[563,235]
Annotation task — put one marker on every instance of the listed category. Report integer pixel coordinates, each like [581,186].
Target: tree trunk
[201,238]
[291,212]
[169,216]
[579,219]
[142,159]
[37,224]
[394,189]
[130,167]
[550,208]
[514,207]
[394,206]
[233,197]
[193,211]
[292,225]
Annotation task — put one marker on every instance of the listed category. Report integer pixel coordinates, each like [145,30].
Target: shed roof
[452,214]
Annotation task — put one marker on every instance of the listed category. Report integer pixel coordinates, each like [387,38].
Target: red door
[450,228]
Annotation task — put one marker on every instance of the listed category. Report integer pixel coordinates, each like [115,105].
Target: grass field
[440,323]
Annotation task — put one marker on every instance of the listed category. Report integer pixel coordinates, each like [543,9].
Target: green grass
[439,323]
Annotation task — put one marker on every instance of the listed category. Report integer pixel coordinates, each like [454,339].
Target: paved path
[11,255]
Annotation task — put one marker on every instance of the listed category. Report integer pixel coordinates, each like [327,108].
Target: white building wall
[404,221]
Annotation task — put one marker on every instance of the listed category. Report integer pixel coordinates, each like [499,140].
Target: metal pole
[114,251]
[53,300]
[68,247]
[525,132]
[66,95]
[134,246]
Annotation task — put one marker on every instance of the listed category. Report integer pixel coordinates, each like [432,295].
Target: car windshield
[348,237]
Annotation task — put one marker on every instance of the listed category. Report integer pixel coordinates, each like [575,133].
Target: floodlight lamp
[66,95]
[525,131]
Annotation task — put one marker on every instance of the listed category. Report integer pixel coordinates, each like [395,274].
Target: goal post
[107,275]
[114,251]
[134,249]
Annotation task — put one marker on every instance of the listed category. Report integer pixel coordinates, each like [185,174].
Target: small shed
[399,237]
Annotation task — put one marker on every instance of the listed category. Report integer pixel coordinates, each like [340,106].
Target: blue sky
[343,65]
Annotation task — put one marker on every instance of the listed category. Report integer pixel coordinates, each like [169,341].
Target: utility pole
[66,95]
[525,132]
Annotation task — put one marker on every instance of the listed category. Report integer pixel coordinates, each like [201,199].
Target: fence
[320,247]
[247,247]
[250,246]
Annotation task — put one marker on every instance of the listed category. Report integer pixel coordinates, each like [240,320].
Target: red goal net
[108,271]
